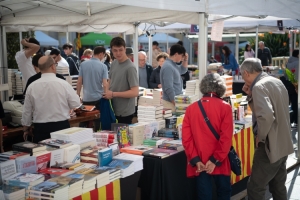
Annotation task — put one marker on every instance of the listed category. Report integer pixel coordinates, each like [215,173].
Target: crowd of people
[113,76]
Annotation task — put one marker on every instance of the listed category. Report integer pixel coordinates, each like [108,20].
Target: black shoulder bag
[235,162]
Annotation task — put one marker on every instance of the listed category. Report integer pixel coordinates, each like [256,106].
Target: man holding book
[123,83]
[48,102]
[93,75]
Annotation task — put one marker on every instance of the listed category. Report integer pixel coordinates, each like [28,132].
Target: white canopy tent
[159,37]
[45,40]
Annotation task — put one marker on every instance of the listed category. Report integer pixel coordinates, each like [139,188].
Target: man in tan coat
[269,101]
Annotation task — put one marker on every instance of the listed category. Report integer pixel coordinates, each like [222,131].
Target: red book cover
[54,171]
[43,160]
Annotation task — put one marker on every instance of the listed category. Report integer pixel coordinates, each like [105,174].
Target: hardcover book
[26,164]
[43,160]
[105,156]
[28,147]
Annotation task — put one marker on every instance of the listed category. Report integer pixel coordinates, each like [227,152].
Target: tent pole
[150,48]
[298,121]
[135,47]
[256,42]
[20,38]
[291,43]
[67,36]
[237,39]
[4,95]
[124,36]
[191,52]
[202,46]
[295,40]
[213,48]
[167,42]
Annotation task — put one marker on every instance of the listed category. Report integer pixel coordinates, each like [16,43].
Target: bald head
[45,64]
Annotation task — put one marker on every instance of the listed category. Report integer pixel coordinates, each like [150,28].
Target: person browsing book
[208,157]
[123,82]
[48,102]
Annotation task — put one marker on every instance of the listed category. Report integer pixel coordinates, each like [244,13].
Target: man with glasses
[48,102]
[145,70]
[38,74]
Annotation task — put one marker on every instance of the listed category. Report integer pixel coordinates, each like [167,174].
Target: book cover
[120,164]
[72,154]
[23,178]
[137,134]
[47,186]
[105,156]
[84,171]
[43,160]
[168,131]
[177,147]
[65,180]
[10,155]
[58,172]
[171,122]
[56,143]
[57,157]
[123,136]
[26,165]
[71,166]
[28,147]
[7,169]
[138,150]
[160,153]
[8,189]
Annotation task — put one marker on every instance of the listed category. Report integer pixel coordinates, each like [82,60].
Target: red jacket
[200,143]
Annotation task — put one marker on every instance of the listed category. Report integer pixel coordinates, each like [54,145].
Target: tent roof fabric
[159,37]
[96,39]
[45,40]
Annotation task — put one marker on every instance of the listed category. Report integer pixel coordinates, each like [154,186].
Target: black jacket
[74,64]
[149,70]
[265,56]
[155,78]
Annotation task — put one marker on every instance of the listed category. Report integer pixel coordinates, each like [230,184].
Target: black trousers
[96,121]
[294,105]
[125,120]
[41,131]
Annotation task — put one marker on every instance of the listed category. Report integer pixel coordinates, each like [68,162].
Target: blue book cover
[105,156]
[47,186]
[120,164]
[26,165]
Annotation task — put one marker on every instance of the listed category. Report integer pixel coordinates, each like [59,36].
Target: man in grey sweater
[170,75]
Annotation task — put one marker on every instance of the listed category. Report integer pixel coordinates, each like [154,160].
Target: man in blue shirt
[93,76]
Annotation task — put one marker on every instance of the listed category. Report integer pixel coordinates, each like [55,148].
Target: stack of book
[155,141]
[76,166]
[150,113]
[72,154]
[48,189]
[11,192]
[28,147]
[159,153]
[11,155]
[7,169]
[137,150]
[19,83]
[114,173]
[228,80]
[74,80]
[64,71]
[166,113]
[75,134]
[157,97]
[11,80]
[54,172]
[192,88]
[169,133]
[102,177]
[136,134]
[56,143]
[145,100]
[183,101]
[137,160]
[126,166]
[75,185]
[26,180]
[89,181]
[90,154]
[172,145]
[104,138]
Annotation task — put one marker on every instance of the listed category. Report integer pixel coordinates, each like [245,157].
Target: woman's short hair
[162,55]
[213,83]
[88,52]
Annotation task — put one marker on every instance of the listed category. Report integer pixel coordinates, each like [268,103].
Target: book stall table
[15,135]
[165,179]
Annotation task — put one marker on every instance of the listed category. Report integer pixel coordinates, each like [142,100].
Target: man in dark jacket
[264,54]
[72,59]
[145,70]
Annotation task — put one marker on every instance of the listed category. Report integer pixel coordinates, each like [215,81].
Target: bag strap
[206,119]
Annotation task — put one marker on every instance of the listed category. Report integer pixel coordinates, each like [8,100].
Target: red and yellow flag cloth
[108,192]
[243,143]
[78,42]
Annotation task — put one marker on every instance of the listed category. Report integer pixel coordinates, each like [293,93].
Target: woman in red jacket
[208,157]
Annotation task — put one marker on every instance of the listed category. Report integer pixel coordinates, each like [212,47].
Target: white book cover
[72,154]
[57,157]
[7,169]
[150,107]
[151,129]
[136,133]
[26,164]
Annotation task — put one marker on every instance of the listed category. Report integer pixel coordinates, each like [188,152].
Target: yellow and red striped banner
[243,142]
[108,192]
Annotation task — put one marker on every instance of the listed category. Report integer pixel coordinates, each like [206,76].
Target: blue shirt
[93,72]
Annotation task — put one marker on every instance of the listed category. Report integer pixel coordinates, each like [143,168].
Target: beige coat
[270,105]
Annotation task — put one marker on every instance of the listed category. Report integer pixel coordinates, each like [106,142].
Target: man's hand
[159,86]
[200,167]
[210,167]
[108,94]
[246,89]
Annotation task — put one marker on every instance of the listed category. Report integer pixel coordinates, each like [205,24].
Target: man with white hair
[264,54]
[269,102]
[145,70]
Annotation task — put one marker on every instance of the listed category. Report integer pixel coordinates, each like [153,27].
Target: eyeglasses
[54,64]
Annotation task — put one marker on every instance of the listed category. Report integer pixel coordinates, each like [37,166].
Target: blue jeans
[204,186]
